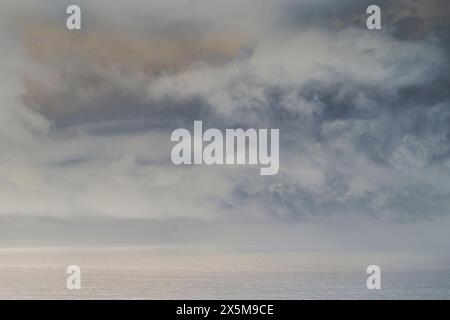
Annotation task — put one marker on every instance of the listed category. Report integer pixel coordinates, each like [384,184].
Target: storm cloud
[364,116]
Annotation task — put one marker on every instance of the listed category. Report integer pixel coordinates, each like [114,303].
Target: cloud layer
[364,116]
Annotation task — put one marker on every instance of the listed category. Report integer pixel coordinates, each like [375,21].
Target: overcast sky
[364,119]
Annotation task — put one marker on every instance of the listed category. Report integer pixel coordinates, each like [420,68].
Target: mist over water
[195,273]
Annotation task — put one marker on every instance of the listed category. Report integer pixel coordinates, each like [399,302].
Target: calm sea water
[161,273]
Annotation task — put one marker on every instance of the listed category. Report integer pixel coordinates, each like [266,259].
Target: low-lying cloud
[363,116]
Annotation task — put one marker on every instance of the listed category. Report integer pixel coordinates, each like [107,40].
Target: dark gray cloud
[404,19]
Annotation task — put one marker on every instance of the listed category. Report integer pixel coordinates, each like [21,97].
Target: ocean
[189,273]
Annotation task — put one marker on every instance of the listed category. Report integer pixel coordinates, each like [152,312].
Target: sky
[364,120]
